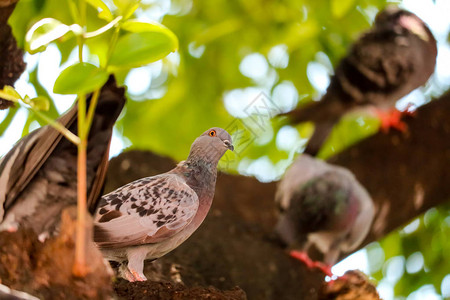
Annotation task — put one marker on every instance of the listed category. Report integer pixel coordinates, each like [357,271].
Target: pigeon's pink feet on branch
[303,257]
[392,118]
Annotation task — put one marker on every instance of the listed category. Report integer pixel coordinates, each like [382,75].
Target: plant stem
[59,127]
[90,114]
[79,268]
[112,45]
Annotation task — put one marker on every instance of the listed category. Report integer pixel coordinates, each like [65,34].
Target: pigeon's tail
[305,113]
[324,113]
[329,108]
[321,132]
[110,104]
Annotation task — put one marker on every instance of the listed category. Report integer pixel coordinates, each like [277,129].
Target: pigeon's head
[211,145]
[401,21]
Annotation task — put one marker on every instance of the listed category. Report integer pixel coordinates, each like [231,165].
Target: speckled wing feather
[148,210]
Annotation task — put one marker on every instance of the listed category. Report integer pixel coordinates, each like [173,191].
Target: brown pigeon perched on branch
[325,206]
[38,176]
[395,57]
[150,217]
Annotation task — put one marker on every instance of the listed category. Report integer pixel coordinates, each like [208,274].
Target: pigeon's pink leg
[326,269]
[303,257]
[136,257]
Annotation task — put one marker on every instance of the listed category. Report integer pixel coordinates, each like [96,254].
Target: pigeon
[389,61]
[323,206]
[38,176]
[151,216]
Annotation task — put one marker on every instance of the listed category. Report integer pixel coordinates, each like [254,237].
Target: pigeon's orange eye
[212,133]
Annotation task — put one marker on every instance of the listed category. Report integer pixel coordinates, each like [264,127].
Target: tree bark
[11,62]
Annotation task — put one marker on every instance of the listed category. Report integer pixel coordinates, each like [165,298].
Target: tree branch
[11,64]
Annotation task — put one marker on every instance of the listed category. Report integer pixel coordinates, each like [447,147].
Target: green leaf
[40,103]
[80,78]
[146,43]
[339,8]
[130,10]
[9,93]
[103,9]
[44,32]
[127,7]
[149,26]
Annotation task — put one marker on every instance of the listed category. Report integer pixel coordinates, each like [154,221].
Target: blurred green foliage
[237,63]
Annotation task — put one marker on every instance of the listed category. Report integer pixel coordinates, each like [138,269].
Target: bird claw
[138,277]
[392,119]
[131,275]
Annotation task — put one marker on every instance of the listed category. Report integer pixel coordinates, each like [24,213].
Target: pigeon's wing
[381,61]
[145,211]
[301,171]
[22,162]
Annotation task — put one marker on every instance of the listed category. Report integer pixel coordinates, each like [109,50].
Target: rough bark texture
[11,62]
[352,286]
[45,269]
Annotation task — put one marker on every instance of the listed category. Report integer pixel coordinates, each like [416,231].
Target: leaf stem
[58,126]
[90,114]
[112,45]
[103,29]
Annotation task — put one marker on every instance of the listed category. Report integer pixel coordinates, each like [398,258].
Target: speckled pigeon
[149,217]
[395,57]
[38,176]
[325,206]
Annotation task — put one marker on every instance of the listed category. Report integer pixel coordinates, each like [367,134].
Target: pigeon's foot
[138,276]
[392,119]
[9,226]
[303,257]
[130,274]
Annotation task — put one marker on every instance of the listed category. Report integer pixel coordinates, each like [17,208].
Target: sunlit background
[233,54]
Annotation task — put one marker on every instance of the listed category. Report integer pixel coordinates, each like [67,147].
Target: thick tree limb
[11,62]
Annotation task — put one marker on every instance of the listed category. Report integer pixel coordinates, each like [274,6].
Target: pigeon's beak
[229,145]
